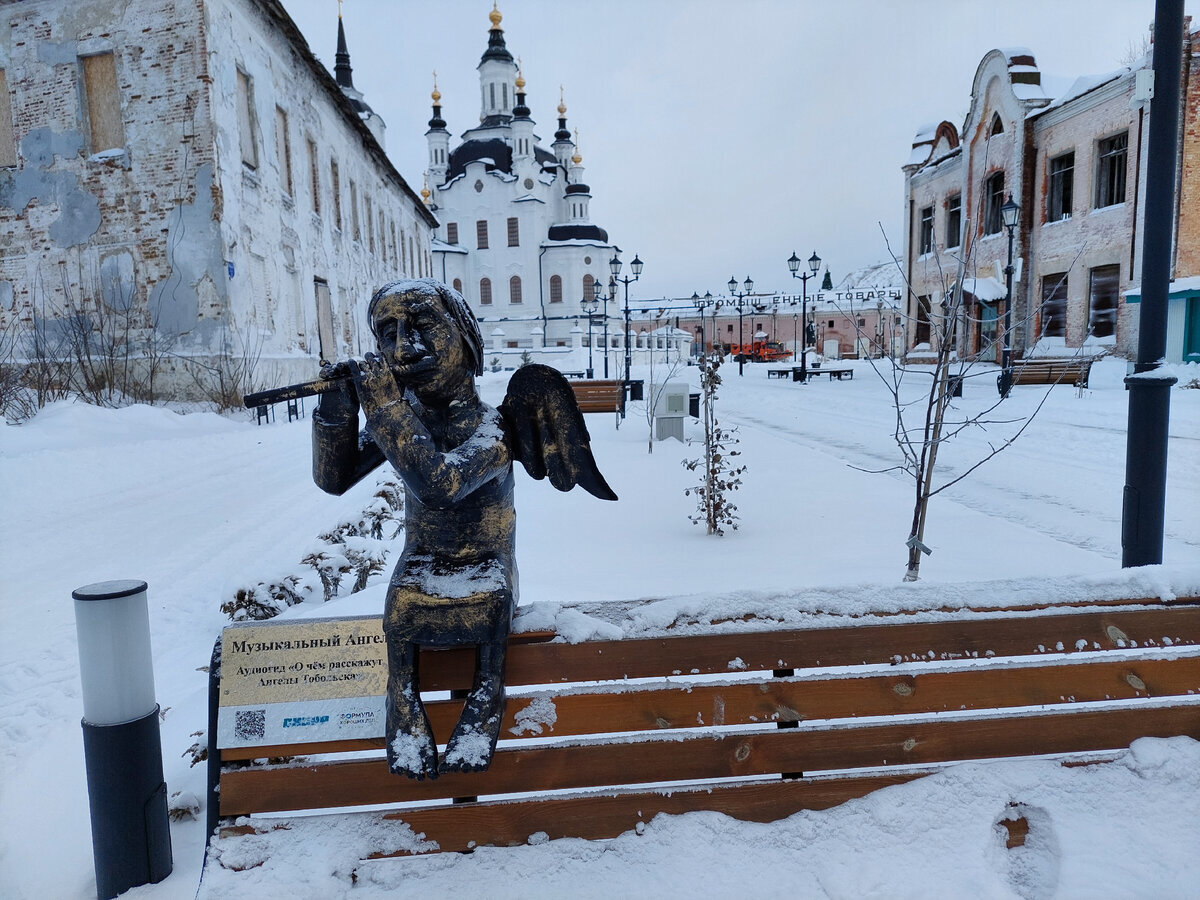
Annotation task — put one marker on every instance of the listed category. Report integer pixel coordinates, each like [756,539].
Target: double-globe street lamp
[589,305]
[598,295]
[614,266]
[814,263]
[733,292]
[1008,214]
[703,303]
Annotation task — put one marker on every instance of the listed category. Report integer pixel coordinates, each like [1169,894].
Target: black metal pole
[804,316]
[591,340]
[1144,502]
[1005,381]
[606,299]
[741,338]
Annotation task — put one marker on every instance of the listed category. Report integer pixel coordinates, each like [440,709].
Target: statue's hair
[452,300]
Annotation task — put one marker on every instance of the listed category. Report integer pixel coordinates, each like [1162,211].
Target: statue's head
[428,335]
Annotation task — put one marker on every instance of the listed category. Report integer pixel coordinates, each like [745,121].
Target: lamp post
[1008,213]
[795,333]
[814,263]
[597,290]
[702,303]
[589,307]
[733,292]
[614,266]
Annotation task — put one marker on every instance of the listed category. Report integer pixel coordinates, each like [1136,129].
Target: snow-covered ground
[199,505]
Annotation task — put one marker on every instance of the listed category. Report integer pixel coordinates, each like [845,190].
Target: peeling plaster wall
[216,254]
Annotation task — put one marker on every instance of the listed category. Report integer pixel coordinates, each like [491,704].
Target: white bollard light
[131,835]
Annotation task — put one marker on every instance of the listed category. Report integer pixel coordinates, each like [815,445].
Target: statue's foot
[411,749]
[473,740]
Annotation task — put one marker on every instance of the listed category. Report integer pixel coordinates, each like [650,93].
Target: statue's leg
[473,740]
[411,749]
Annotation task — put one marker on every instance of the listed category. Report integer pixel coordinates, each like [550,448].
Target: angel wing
[546,431]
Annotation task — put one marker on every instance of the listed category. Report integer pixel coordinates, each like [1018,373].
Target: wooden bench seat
[599,395]
[1071,370]
[734,702]
[838,372]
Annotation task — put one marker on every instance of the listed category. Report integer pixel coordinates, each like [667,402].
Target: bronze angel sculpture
[456,580]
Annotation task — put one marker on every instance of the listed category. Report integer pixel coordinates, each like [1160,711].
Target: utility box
[670,407]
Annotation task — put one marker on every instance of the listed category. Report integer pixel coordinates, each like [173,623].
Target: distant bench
[1053,371]
[853,703]
[838,372]
[599,395]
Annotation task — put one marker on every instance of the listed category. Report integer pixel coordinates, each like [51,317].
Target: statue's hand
[341,403]
[376,385]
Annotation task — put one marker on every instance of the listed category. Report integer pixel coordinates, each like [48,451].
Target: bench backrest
[736,703]
[599,395]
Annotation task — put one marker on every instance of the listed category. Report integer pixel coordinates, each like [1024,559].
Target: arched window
[556,289]
[458,285]
[993,199]
[997,126]
[588,287]
[485,292]
[514,289]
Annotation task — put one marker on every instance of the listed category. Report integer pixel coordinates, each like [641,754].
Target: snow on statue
[456,581]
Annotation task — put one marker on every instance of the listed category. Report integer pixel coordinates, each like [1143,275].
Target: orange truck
[759,351]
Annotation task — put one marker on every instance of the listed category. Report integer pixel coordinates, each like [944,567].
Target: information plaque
[303,680]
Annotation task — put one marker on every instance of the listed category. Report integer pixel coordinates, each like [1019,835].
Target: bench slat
[801,699]
[732,755]
[964,636]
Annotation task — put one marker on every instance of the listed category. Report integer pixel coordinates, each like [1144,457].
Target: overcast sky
[719,137]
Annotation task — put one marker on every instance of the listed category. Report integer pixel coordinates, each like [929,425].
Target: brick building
[1074,162]
[193,169]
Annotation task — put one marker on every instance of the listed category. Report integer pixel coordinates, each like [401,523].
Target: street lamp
[598,294]
[1008,214]
[614,266]
[733,292]
[589,305]
[702,303]
[814,263]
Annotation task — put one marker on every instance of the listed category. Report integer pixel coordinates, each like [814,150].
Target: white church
[515,237]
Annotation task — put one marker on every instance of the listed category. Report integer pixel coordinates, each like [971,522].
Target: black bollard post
[131,835]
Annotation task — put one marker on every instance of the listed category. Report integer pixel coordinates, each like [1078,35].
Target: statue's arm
[341,457]
[440,479]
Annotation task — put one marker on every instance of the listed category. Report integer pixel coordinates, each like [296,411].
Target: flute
[330,378]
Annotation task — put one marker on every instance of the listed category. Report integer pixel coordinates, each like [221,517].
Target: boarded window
[8,149]
[458,285]
[993,199]
[921,335]
[1102,304]
[926,239]
[1112,155]
[514,289]
[1054,305]
[556,289]
[283,151]
[314,176]
[514,233]
[485,291]
[335,188]
[103,102]
[247,121]
[451,232]
[355,228]
[481,235]
[370,225]
[953,221]
[1061,193]
[325,320]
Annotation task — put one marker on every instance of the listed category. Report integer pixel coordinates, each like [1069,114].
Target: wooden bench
[599,395]
[1070,370]
[735,700]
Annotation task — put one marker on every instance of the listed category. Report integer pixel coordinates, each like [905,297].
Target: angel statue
[456,581]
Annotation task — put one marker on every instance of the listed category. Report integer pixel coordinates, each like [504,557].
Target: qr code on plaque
[249,723]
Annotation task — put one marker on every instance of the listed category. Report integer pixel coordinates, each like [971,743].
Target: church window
[451,232]
[370,225]
[481,234]
[355,228]
[103,102]
[485,292]
[283,151]
[589,287]
[997,126]
[514,289]
[953,220]
[8,150]
[492,94]
[504,95]
[247,121]
[514,232]
[556,289]
[458,285]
